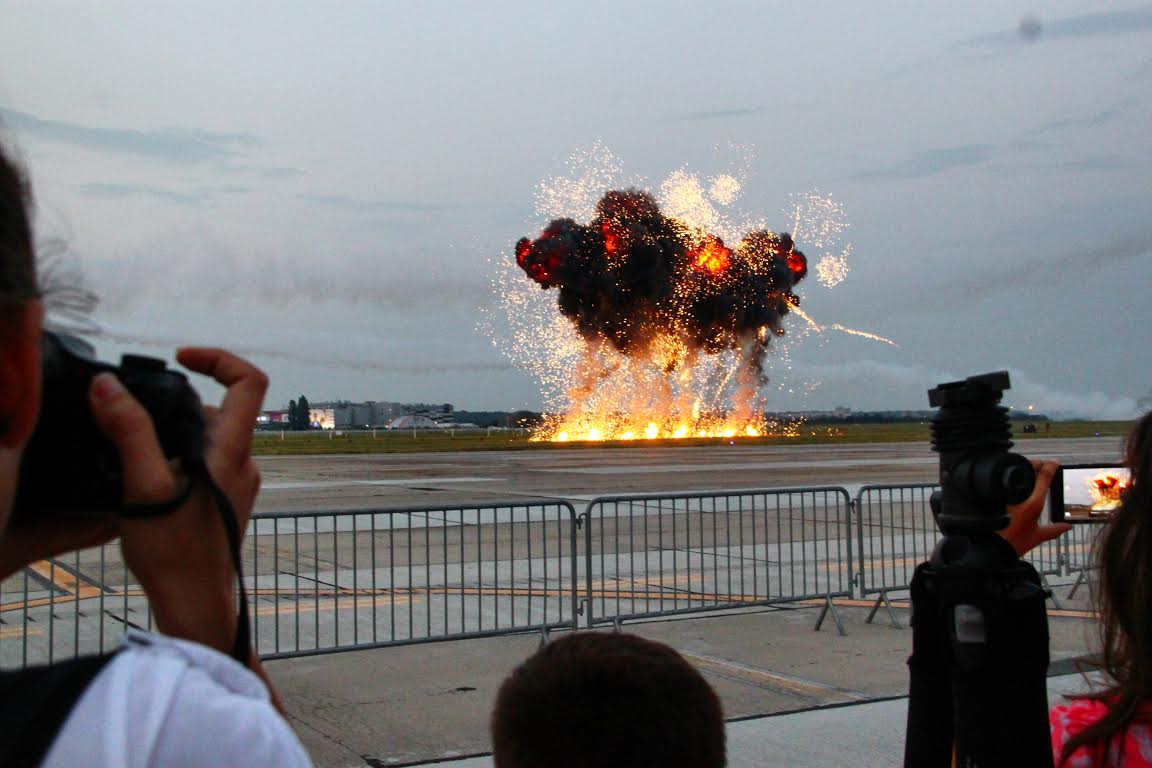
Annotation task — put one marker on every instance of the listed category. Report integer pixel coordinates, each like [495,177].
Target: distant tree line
[299,414]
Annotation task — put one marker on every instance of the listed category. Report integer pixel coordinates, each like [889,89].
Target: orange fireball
[712,257]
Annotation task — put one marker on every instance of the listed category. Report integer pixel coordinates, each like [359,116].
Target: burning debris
[662,292]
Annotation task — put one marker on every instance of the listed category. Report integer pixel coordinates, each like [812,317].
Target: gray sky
[332,186]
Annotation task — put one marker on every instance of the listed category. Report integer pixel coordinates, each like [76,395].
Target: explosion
[650,296]
[1107,491]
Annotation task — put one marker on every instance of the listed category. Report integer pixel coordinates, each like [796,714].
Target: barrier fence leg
[875,607]
[1051,593]
[1080,579]
[543,636]
[883,598]
[829,607]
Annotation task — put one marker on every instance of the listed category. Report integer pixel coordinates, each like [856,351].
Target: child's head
[604,699]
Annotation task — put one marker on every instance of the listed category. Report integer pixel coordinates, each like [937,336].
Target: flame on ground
[620,427]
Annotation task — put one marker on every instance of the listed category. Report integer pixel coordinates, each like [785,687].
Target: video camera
[977,694]
[70,469]
[978,476]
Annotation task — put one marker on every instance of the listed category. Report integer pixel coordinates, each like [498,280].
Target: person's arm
[26,543]
[1025,531]
[182,558]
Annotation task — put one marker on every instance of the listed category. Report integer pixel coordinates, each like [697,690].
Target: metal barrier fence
[319,582]
[1079,553]
[665,554]
[896,532]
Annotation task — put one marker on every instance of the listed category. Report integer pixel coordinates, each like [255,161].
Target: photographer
[170,700]
[1111,726]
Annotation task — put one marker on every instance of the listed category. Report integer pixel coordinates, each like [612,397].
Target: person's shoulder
[147,656]
[1067,720]
[219,714]
[168,702]
[1078,712]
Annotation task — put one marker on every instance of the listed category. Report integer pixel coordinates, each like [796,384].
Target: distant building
[271,418]
[320,417]
[413,421]
[344,414]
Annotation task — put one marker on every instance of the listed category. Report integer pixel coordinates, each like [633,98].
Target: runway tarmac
[333,580]
[294,483]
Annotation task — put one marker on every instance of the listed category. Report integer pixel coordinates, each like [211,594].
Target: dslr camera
[70,469]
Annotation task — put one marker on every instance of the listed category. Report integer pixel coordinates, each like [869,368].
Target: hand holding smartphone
[1087,493]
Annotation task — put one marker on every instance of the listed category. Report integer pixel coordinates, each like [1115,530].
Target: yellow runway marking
[305,600]
[64,580]
[306,606]
[763,677]
[19,632]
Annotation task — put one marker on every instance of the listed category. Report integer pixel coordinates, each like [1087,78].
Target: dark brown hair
[595,699]
[1124,600]
[17,255]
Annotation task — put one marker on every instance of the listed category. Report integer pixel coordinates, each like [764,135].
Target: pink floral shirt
[1132,750]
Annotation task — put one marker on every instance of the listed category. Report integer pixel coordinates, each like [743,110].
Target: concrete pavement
[869,734]
[367,481]
[410,705]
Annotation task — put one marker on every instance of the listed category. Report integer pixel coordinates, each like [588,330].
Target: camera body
[978,475]
[70,469]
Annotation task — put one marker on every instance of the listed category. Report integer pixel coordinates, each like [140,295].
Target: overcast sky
[332,186]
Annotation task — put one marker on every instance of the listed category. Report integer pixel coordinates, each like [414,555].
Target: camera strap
[159,508]
[242,644]
[199,474]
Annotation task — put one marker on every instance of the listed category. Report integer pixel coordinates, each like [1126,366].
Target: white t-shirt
[163,702]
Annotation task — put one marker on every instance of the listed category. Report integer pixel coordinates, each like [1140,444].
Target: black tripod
[980,630]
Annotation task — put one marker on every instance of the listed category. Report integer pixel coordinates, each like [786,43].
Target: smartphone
[1087,493]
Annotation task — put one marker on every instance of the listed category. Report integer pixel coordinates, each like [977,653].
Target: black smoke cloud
[633,274]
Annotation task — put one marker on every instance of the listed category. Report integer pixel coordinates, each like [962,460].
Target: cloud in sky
[138,191]
[368,205]
[721,114]
[179,145]
[1047,268]
[1089,25]
[196,196]
[933,161]
[271,172]
[318,355]
[897,385]
[360,205]
[1094,120]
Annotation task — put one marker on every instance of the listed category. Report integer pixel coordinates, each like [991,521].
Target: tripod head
[978,474]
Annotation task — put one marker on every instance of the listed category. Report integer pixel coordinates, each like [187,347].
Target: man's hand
[1025,531]
[182,558]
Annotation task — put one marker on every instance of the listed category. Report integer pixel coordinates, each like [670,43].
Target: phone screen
[1087,494]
